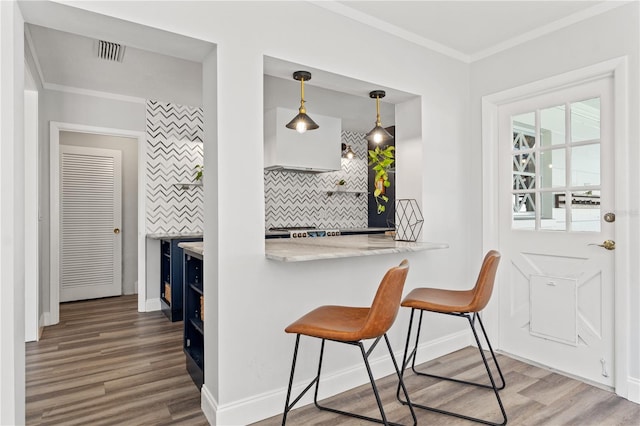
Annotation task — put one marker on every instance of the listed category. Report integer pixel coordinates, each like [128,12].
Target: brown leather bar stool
[352,325]
[467,304]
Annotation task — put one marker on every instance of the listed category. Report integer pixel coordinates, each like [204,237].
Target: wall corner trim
[152,305]
[208,405]
[633,390]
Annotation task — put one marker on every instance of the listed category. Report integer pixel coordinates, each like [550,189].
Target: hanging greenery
[199,172]
[381,160]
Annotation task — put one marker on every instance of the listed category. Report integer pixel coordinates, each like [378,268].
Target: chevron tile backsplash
[174,147]
[301,199]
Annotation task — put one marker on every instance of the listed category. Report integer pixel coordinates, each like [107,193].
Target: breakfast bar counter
[304,249]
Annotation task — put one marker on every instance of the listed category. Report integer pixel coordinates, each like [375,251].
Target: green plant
[199,172]
[381,160]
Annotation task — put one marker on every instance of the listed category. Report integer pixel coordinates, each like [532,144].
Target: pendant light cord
[302,109]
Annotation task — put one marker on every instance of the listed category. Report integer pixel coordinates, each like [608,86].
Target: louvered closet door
[90,206]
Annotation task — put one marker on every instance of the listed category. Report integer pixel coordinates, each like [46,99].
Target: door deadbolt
[116,230]
[607,244]
[609,217]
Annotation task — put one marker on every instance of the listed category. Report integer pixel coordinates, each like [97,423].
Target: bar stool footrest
[357,416]
[451,379]
[449,413]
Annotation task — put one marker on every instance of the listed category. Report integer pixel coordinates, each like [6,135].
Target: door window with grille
[556,167]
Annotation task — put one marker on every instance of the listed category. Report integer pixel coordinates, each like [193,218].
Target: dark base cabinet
[171,264]
[193,317]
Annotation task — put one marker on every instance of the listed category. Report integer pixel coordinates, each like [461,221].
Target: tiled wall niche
[174,147]
[302,199]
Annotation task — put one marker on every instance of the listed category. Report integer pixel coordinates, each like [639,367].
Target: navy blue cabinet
[194,317]
[171,264]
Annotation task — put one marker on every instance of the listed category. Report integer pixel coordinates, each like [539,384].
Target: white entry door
[556,206]
[90,221]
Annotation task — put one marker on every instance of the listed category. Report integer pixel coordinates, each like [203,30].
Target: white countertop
[174,235]
[194,247]
[298,250]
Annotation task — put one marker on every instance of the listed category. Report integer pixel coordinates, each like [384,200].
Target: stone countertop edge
[299,250]
[344,231]
[196,247]
[175,235]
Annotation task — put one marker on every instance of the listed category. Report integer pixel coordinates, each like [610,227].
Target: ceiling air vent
[110,51]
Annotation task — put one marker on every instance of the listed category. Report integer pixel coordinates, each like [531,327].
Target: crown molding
[94,93]
[32,52]
[363,18]
[549,28]
[381,25]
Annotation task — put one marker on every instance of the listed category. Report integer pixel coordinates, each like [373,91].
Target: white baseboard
[46,318]
[268,404]
[209,405]
[152,305]
[42,321]
[633,390]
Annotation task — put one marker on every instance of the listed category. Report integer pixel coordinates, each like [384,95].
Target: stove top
[307,232]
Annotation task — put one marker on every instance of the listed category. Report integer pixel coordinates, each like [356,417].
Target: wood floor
[107,364]
[533,397]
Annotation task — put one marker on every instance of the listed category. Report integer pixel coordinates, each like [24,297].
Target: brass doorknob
[116,230]
[607,244]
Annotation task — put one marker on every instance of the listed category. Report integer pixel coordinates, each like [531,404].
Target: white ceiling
[63,38]
[469,30]
[70,61]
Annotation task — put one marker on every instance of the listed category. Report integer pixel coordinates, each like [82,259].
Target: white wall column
[12,381]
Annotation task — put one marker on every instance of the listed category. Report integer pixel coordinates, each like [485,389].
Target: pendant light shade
[302,122]
[347,152]
[378,134]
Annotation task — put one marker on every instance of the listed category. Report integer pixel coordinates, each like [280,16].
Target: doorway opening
[68,133]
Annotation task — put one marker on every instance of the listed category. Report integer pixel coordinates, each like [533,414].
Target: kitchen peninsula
[304,249]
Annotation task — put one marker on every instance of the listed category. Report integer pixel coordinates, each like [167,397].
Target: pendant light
[347,152]
[302,122]
[378,134]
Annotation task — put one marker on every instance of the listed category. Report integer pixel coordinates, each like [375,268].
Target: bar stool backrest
[386,303]
[486,279]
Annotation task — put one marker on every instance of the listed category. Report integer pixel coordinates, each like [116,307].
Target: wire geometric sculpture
[409,220]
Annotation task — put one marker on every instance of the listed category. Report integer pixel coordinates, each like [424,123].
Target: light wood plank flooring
[107,364]
[533,397]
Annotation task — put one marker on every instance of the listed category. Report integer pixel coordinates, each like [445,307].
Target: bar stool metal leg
[412,357]
[353,325]
[365,357]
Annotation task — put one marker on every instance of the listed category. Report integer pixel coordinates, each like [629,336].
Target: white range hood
[314,151]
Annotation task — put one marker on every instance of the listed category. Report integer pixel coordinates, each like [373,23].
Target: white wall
[607,36]
[12,320]
[256,299]
[129,149]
